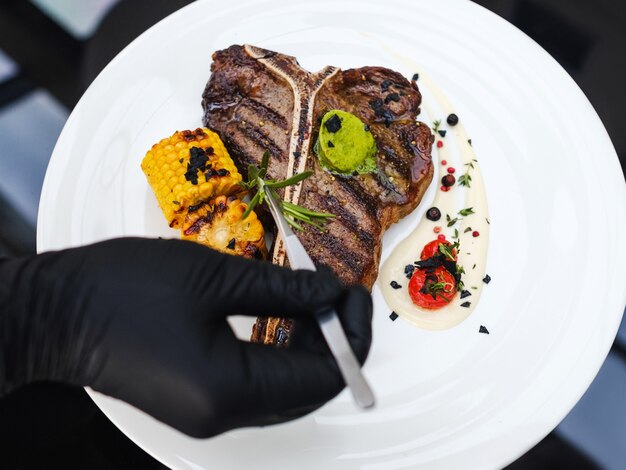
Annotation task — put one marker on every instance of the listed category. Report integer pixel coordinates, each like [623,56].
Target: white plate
[450,399]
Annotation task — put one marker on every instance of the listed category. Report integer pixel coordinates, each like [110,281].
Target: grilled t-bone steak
[259,100]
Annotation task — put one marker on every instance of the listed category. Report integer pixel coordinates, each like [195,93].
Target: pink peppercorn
[475,233]
[437,229]
[444,162]
[441,237]
[451,170]
[439,144]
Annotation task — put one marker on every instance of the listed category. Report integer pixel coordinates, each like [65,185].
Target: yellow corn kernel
[181,177]
[218,224]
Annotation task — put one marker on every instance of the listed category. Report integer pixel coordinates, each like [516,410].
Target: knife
[328,321]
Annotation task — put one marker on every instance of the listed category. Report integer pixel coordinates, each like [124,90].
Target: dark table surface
[56,426]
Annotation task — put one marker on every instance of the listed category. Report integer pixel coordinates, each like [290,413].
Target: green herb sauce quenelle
[345,145]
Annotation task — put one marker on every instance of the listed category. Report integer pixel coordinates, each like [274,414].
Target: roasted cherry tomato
[443,288]
[432,248]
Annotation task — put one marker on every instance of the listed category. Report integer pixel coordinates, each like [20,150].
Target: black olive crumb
[484,330]
[465,293]
[296,154]
[442,132]
[395,285]
[452,119]
[366,127]
[198,160]
[487,279]
[231,244]
[222,172]
[408,270]
[393,316]
[433,214]
[333,124]
[330,144]
[415,77]
[466,304]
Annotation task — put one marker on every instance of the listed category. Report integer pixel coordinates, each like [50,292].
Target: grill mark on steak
[364,205]
[263,141]
[329,246]
[344,216]
[358,192]
[391,157]
[265,113]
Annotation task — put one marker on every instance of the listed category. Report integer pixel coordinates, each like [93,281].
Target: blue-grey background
[50,50]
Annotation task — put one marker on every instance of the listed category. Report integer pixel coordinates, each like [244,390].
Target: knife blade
[328,321]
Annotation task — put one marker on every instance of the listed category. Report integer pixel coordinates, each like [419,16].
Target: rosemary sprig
[294,214]
[436,125]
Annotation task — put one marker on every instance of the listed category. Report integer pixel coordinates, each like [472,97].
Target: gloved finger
[306,334]
[288,379]
[259,288]
[228,285]
[282,380]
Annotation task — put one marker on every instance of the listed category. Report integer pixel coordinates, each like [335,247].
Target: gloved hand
[145,321]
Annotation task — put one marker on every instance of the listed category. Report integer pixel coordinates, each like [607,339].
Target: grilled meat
[259,100]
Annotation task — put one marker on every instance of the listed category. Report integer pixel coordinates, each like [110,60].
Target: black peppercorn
[453,119]
[433,214]
[448,180]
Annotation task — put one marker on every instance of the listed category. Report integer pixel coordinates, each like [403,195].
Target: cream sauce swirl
[458,153]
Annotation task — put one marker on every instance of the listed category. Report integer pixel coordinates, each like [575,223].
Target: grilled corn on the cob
[187,168]
[218,224]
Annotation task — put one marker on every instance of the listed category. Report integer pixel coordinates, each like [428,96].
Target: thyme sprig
[295,215]
[465,179]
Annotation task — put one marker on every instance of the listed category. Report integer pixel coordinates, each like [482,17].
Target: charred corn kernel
[187,168]
[217,223]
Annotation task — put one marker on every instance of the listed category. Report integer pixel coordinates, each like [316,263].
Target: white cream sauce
[458,153]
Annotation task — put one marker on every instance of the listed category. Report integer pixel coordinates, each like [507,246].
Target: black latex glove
[145,321]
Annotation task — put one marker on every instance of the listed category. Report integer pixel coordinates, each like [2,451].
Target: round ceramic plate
[446,399]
